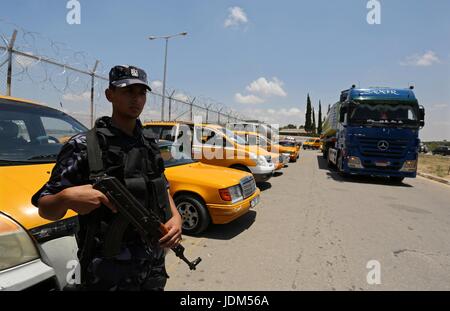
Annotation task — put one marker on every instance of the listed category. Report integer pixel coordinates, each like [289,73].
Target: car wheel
[194,214]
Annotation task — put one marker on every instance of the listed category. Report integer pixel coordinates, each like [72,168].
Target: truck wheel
[194,214]
[340,165]
[331,165]
[396,179]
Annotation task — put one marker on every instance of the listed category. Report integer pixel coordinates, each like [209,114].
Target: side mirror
[421,116]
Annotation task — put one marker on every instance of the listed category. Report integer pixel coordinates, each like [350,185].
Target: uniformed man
[134,159]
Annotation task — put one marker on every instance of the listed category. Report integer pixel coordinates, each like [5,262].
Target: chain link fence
[35,67]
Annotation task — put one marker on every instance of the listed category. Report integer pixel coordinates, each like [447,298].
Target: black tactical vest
[140,168]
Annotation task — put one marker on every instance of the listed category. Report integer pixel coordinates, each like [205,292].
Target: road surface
[315,230]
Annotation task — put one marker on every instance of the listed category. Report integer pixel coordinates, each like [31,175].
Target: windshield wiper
[44,157]
[6,161]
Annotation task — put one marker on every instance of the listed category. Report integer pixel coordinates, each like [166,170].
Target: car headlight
[16,246]
[233,194]
[261,161]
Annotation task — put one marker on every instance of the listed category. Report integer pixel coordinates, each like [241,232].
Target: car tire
[194,214]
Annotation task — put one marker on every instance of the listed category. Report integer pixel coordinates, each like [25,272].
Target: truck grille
[248,186]
[396,149]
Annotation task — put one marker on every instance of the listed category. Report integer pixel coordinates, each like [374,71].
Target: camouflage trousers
[130,274]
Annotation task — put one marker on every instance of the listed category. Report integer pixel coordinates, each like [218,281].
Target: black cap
[124,75]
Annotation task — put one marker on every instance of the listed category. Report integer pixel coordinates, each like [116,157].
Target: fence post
[92,91]
[170,105]
[10,54]
[190,108]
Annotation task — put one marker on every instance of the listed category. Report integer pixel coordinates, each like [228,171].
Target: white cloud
[236,17]
[280,116]
[156,86]
[247,99]
[267,88]
[181,97]
[427,59]
[70,97]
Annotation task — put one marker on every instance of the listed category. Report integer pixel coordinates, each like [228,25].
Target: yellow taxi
[38,250]
[206,194]
[285,150]
[215,145]
[312,143]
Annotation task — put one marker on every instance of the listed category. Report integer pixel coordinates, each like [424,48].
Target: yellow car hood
[284,149]
[204,174]
[17,186]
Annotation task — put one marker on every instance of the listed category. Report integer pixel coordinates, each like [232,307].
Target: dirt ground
[435,165]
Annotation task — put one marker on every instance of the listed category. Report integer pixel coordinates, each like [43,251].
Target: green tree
[314,122]
[319,126]
[308,125]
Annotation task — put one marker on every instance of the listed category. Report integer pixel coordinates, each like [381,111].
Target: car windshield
[174,154]
[287,144]
[384,113]
[232,136]
[33,134]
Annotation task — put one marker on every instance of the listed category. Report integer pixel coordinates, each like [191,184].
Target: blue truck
[375,132]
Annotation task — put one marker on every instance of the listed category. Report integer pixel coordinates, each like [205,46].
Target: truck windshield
[384,113]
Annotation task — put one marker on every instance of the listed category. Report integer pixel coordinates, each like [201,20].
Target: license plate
[254,201]
[382,163]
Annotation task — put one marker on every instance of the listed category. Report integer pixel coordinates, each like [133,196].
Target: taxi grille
[248,186]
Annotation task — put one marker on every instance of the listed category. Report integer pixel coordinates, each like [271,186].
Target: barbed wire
[55,71]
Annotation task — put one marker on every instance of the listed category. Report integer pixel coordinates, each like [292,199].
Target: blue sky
[269,54]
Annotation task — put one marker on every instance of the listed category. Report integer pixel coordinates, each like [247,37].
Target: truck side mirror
[421,116]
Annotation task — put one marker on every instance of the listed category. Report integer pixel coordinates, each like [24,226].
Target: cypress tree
[308,125]
[319,126]
[314,121]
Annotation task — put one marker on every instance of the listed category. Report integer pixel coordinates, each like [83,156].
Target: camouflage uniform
[138,266]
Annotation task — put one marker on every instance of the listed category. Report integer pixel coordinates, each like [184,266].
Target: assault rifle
[144,220]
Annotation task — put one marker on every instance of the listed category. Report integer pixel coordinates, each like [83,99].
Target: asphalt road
[315,230]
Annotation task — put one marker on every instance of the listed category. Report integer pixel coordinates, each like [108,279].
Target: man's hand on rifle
[174,225]
[81,199]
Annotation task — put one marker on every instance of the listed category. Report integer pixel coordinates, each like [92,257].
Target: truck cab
[374,131]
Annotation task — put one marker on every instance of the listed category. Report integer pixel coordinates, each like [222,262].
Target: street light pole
[164,82]
[165,67]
